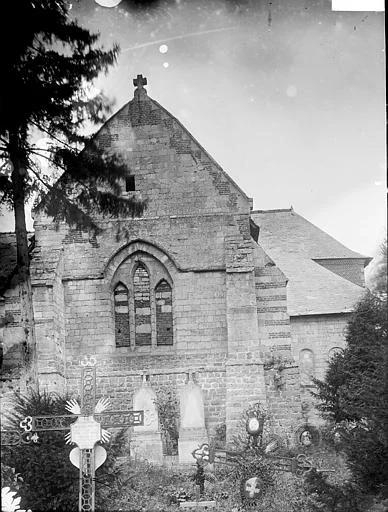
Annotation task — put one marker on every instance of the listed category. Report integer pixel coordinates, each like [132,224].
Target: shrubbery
[354,395]
[168,411]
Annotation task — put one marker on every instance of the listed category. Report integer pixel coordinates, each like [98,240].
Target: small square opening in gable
[130,184]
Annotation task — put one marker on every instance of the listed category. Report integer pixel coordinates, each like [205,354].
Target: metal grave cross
[86,431]
[251,486]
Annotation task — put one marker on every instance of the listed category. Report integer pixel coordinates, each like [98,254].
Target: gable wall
[172,171]
[192,209]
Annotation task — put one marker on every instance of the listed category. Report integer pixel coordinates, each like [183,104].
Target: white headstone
[192,432]
[191,406]
[144,399]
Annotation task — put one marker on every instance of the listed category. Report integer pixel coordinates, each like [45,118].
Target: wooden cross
[86,431]
[140,81]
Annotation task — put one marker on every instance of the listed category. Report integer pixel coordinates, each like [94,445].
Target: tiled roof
[293,242]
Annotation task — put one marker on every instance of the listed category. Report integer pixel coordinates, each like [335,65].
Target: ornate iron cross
[252,488]
[86,431]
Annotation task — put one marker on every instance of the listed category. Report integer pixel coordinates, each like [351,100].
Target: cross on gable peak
[139,83]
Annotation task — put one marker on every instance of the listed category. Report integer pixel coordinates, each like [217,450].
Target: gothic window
[142,303]
[121,315]
[163,301]
[306,367]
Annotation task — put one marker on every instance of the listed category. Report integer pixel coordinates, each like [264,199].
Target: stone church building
[251,303]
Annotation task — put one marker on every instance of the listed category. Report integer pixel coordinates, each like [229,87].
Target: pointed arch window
[121,308]
[163,302]
[142,305]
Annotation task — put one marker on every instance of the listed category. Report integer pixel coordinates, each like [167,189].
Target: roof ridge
[274,210]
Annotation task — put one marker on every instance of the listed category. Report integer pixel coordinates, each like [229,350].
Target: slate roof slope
[293,242]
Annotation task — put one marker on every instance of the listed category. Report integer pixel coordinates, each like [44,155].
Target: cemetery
[166,345]
[258,471]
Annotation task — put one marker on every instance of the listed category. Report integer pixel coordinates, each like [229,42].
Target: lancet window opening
[121,307]
[163,306]
[142,304]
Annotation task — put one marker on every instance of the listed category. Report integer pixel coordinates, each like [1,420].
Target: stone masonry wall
[198,312]
[319,335]
[118,376]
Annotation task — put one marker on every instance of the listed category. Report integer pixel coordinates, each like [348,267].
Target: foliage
[377,277]
[354,394]
[219,439]
[148,488]
[168,410]
[329,497]
[9,478]
[50,481]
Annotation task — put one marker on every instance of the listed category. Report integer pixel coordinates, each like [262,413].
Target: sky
[286,95]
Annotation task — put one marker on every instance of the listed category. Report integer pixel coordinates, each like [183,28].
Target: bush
[9,478]
[168,410]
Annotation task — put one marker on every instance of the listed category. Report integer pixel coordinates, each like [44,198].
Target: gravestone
[192,432]
[146,442]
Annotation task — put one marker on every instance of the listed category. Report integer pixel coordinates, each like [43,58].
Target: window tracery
[143,304]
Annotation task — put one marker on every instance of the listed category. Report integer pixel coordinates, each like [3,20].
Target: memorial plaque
[85,432]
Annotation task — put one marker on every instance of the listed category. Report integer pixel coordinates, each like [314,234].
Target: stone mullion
[153,314]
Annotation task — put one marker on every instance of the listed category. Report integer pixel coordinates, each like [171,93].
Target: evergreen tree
[354,393]
[47,59]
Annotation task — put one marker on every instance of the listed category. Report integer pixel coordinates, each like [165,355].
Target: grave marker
[252,486]
[85,431]
[192,419]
